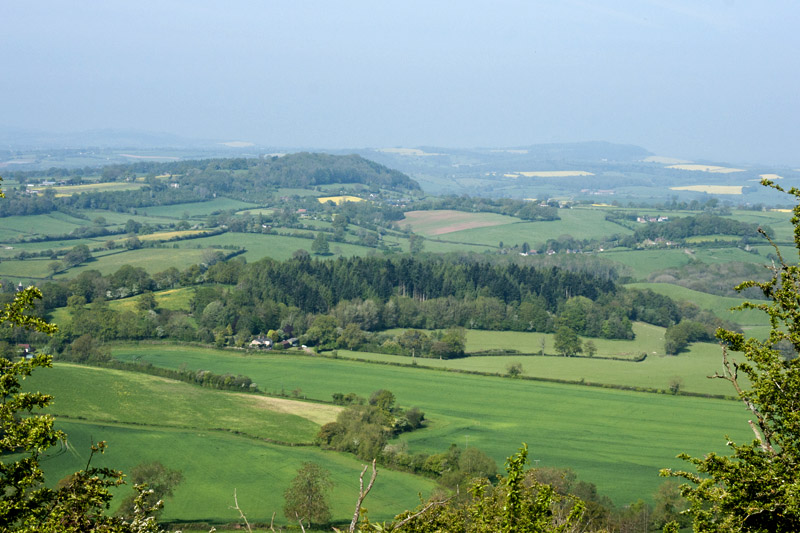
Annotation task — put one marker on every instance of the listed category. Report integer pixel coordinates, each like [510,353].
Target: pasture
[191,429]
[151,259]
[280,247]
[719,305]
[69,190]
[579,223]
[131,398]
[616,439]
[195,209]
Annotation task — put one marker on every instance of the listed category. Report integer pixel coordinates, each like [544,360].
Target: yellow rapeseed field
[339,199]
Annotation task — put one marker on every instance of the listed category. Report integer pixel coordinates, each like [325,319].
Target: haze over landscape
[492,249]
[713,80]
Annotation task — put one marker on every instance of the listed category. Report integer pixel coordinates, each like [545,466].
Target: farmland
[613,417]
[487,409]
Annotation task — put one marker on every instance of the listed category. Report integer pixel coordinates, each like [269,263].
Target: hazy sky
[714,78]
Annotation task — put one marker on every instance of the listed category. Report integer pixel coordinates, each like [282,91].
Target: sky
[713,79]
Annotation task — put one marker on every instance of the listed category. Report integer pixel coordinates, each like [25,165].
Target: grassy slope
[616,439]
[214,463]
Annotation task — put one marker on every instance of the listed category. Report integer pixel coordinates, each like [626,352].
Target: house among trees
[26,351]
[261,343]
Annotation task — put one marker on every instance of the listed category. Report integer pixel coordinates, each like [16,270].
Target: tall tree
[306,498]
[757,487]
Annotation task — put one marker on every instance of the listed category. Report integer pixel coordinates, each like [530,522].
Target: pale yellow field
[339,199]
[707,168]
[164,235]
[550,174]
[711,189]
[781,210]
[316,412]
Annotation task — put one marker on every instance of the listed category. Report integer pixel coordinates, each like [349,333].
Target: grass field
[645,262]
[275,246]
[589,223]
[69,190]
[615,439]
[151,259]
[131,398]
[193,433]
[655,372]
[443,221]
[195,209]
[719,305]
[50,224]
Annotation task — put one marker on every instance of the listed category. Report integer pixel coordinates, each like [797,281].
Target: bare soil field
[444,221]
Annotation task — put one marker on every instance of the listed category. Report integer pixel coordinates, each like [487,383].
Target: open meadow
[616,439]
[219,440]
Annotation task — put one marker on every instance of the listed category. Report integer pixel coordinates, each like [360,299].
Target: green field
[657,371]
[270,245]
[55,223]
[615,439]
[151,259]
[131,398]
[578,223]
[645,262]
[749,319]
[195,209]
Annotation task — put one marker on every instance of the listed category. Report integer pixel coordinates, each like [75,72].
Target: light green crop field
[27,269]
[119,219]
[690,368]
[151,259]
[50,224]
[645,262]
[616,439]
[58,245]
[69,190]
[779,222]
[195,209]
[214,464]
[128,397]
[275,246]
[579,223]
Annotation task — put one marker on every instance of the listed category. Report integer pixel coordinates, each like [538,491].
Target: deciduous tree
[757,487]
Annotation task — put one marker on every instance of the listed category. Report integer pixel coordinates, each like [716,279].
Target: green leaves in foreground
[757,487]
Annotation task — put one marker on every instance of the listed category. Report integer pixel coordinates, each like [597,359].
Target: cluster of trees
[523,209]
[364,429]
[348,302]
[679,229]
